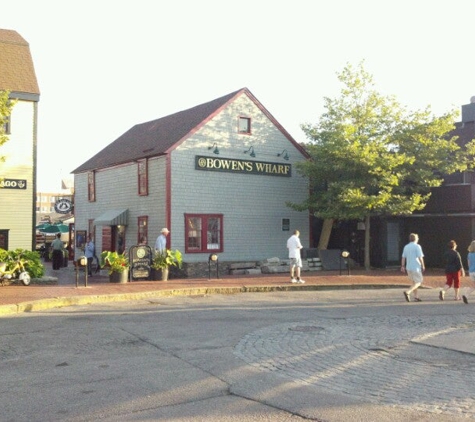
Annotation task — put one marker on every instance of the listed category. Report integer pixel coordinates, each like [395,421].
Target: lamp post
[81,262]
[344,258]
[213,258]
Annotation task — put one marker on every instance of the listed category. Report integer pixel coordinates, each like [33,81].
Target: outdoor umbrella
[42,226]
[54,228]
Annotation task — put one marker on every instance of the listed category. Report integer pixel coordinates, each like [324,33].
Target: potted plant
[117,265]
[164,260]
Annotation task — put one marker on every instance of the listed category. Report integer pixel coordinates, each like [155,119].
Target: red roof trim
[205,121]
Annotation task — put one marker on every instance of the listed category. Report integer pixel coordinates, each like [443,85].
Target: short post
[81,262]
[344,258]
[213,258]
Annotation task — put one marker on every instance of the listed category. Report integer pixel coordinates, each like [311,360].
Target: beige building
[18,172]
[47,205]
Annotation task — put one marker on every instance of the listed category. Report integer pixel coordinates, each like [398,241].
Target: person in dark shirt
[57,246]
[453,270]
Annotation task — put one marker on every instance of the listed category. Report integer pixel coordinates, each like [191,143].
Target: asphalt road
[345,355]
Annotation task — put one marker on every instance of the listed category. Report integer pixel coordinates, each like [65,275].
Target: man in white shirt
[412,262]
[294,246]
[161,242]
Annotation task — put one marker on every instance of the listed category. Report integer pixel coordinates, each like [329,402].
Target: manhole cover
[306,328]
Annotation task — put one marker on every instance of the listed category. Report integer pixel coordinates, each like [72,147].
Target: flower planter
[122,277]
[159,275]
[155,274]
[165,260]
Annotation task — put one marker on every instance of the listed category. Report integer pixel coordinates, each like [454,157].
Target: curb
[60,302]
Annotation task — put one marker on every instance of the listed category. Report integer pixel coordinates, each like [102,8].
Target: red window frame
[91,230]
[142,174]
[247,129]
[201,233]
[142,232]
[91,186]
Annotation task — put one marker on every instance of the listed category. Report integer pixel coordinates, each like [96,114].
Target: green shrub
[114,261]
[167,259]
[31,261]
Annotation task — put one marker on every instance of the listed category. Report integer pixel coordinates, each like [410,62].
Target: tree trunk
[367,263]
[325,234]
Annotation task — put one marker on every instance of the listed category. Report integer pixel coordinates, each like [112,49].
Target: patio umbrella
[42,226]
[54,228]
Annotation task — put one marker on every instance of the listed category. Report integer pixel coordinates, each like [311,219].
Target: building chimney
[468,111]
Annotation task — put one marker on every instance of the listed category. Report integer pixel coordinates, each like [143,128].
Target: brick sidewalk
[99,285]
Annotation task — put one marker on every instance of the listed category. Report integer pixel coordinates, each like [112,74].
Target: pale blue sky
[104,66]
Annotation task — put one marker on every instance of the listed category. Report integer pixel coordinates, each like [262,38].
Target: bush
[167,259]
[114,261]
[31,261]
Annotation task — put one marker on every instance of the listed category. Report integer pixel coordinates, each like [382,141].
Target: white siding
[17,206]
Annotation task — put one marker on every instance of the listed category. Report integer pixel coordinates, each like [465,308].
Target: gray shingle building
[218,175]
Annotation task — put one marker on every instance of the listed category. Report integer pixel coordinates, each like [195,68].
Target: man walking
[294,246]
[412,261]
[161,242]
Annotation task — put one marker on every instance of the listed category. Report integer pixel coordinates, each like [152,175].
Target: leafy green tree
[6,106]
[371,156]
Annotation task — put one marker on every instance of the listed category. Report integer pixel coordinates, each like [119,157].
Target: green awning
[112,218]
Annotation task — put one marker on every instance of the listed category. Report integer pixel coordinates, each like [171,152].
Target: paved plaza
[339,347]
[419,363]
[331,355]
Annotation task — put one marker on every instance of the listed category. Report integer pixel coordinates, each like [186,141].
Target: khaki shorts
[295,262]
[415,276]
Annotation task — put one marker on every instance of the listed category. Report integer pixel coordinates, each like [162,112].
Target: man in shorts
[412,261]
[294,246]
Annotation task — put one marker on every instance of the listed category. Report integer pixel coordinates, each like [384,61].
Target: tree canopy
[371,156]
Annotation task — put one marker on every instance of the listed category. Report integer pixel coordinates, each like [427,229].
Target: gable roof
[159,137]
[17,73]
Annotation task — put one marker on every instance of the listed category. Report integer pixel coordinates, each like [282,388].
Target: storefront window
[203,233]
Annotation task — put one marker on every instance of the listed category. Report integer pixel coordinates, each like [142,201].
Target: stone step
[275,269]
[242,265]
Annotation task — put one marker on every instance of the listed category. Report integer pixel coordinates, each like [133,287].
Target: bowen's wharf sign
[242,166]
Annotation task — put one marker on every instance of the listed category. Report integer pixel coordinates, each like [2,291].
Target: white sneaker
[293,280]
[301,281]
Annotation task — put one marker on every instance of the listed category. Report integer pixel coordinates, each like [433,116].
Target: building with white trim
[18,171]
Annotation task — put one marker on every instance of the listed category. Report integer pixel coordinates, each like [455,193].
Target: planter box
[160,275]
[155,274]
[122,277]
